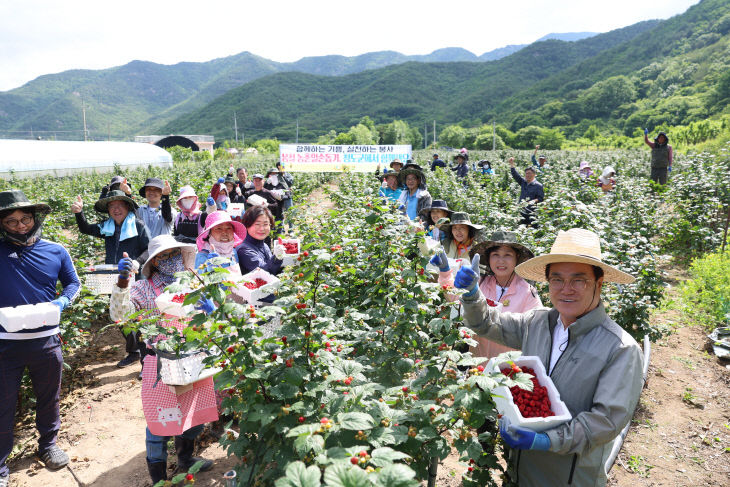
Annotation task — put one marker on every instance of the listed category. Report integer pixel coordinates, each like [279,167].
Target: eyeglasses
[558,283]
[262,225]
[13,223]
[168,254]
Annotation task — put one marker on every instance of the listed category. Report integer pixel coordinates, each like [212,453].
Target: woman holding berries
[595,365]
[220,238]
[167,413]
[254,252]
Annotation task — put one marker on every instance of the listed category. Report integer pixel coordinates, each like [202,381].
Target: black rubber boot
[157,470]
[185,458]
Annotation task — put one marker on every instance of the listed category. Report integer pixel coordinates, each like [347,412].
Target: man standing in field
[539,163]
[596,366]
[31,267]
[662,157]
[531,190]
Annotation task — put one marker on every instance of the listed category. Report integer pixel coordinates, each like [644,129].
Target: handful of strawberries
[535,404]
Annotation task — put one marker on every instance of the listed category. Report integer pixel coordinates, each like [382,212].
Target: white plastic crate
[253,296]
[289,259]
[101,278]
[506,406]
[235,210]
[185,370]
[29,316]
[167,306]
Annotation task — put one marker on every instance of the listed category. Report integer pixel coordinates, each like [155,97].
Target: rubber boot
[185,458]
[157,470]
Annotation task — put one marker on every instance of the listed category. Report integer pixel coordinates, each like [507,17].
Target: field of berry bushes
[363,383]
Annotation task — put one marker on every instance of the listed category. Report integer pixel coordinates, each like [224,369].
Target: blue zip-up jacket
[29,277]
[253,253]
[528,191]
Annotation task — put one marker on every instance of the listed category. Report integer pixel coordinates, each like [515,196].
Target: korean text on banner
[340,158]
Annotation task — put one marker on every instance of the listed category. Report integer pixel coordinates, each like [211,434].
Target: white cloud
[46,36]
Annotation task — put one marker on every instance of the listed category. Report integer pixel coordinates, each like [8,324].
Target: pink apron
[168,414]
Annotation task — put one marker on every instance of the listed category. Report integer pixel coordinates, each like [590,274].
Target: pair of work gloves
[468,279]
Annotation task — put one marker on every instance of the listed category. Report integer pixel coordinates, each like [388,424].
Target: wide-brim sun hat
[575,245]
[498,239]
[165,242]
[152,182]
[388,174]
[459,218]
[272,171]
[15,199]
[395,161]
[219,218]
[411,169]
[425,213]
[102,205]
[186,192]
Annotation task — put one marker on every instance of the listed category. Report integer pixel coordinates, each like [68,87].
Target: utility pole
[235,126]
[434,133]
[83,111]
[494,135]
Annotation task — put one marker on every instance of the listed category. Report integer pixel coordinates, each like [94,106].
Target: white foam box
[168,307]
[506,406]
[235,210]
[289,259]
[100,278]
[29,316]
[252,296]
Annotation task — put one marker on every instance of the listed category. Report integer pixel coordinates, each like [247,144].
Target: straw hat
[576,245]
[498,239]
[219,218]
[166,242]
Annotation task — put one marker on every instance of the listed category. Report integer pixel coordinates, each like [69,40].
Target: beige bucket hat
[575,245]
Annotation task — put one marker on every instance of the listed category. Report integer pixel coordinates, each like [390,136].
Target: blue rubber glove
[206,305]
[468,277]
[125,267]
[61,302]
[210,201]
[208,266]
[669,169]
[646,131]
[221,180]
[441,261]
[523,439]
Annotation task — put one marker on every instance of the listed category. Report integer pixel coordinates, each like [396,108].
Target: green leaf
[305,443]
[381,436]
[397,475]
[344,475]
[299,475]
[305,429]
[384,456]
[355,421]
[284,391]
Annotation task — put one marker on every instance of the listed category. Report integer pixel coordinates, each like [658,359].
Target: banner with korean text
[340,158]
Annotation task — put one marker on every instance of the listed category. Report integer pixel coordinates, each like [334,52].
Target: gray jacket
[599,377]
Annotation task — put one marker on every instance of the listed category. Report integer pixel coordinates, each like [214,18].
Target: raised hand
[511,162]
[166,190]
[123,186]
[468,277]
[646,131]
[125,266]
[441,261]
[78,205]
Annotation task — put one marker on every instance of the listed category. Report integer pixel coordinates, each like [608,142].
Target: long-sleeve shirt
[29,277]
[528,191]
[437,163]
[253,253]
[158,221]
[135,247]
[461,170]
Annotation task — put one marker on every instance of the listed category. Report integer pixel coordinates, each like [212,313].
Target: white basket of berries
[172,304]
[251,284]
[537,410]
[29,316]
[292,249]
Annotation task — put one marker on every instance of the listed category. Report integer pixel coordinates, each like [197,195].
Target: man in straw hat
[31,267]
[595,365]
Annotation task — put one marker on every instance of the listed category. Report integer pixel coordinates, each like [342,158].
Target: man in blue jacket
[531,190]
[31,267]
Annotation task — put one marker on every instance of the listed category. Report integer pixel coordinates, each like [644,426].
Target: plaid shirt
[140,296]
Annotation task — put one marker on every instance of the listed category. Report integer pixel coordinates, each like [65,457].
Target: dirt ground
[680,435]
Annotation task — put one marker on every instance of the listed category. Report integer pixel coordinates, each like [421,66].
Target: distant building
[194,142]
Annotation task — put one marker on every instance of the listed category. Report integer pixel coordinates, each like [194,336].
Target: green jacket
[599,377]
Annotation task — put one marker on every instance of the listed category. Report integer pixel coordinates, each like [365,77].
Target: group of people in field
[595,365]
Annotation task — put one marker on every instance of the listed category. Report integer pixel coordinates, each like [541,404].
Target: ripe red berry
[273,356]
[363,453]
[301,419]
[231,349]
[283,339]
[189,477]
[405,389]
[354,460]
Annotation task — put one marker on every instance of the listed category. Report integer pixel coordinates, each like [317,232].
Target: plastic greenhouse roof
[30,157]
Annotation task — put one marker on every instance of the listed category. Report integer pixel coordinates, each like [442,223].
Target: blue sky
[48,36]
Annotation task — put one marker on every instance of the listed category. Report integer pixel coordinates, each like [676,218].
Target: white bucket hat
[165,242]
[575,245]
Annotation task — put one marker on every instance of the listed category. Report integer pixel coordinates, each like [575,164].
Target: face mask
[274,180]
[222,248]
[168,267]
[187,203]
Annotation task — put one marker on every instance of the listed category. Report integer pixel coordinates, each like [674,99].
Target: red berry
[363,453]
[301,419]
[189,477]
[273,356]
[354,460]
[283,339]
[307,334]
[231,349]
[405,389]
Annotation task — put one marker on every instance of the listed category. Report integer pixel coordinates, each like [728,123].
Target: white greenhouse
[24,158]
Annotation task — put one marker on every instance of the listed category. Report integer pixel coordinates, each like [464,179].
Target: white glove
[279,251]
[277,193]
[135,267]
[248,185]
[238,190]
